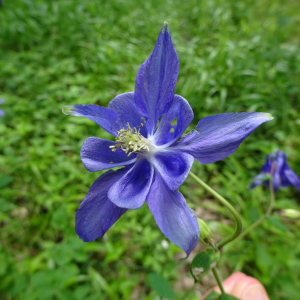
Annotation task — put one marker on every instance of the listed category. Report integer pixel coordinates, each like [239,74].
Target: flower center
[131,141]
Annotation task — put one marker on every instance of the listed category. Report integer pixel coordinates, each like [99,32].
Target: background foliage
[234,56]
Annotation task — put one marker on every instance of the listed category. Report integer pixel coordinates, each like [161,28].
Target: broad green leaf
[161,286]
[5,180]
[204,261]
[6,206]
[227,297]
[277,223]
[213,295]
[99,282]
[3,263]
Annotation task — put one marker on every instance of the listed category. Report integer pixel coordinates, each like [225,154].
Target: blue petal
[132,189]
[96,213]
[181,111]
[173,166]
[104,117]
[257,180]
[276,182]
[156,79]
[97,156]
[220,135]
[266,168]
[292,177]
[1,113]
[124,106]
[174,218]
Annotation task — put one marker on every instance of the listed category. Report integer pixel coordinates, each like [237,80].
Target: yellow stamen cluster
[130,141]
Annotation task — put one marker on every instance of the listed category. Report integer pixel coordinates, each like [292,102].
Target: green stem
[269,211]
[218,280]
[237,218]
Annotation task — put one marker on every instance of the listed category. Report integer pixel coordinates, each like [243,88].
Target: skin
[243,287]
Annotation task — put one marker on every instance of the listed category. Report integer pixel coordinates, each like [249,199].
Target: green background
[234,56]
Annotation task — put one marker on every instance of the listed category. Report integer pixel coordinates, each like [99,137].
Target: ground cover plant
[233,57]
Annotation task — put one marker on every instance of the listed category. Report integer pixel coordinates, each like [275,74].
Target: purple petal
[104,117]
[97,156]
[257,180]
[284,180]
[173,166]
[174,218]
[266,168]
[179,111]
[96,213]
[124,106]
[156,79]
[276,182]
[220,135]
[132,189]
[292,177]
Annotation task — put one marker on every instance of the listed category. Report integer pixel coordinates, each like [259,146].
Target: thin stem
[269,211]
[237,218]
[218,280]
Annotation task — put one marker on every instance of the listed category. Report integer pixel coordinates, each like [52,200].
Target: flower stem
[237,218]
[269,211]
[218,280]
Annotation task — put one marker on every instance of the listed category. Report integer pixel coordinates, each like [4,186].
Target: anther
[130,140]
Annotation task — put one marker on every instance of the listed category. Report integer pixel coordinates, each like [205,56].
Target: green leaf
[6,206]
[99,282]
[277,223]
[5,180]
[227,297]
[203,261]
[3,263]
[161,286]
[216,296]
[213,295]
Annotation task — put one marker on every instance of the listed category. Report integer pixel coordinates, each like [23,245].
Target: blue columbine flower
[1,111]
[155,160]
[277,167]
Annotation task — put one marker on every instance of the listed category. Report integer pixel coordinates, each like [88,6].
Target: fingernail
[255,291]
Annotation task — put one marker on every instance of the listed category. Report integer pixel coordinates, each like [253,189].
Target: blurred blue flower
[148,124]
[277,167]
[1,111]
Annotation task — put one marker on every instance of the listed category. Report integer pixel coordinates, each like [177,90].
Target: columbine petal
[257,180]
[174,218]
[182,114]
[97,156]
[124,106]
[292,177]
[156,79]
[132,189]
[173,166]
[104,117]
[220,135]
[96,213]
[1,111]
[276,182]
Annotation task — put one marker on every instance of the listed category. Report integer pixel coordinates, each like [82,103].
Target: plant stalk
[218,280]
[237,218]
[268,213]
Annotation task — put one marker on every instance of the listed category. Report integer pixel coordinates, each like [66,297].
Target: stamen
[130,140]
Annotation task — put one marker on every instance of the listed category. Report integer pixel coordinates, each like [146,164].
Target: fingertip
[234,279]
[255,291]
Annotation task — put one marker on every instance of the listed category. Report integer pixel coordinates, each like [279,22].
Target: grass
[234,57]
